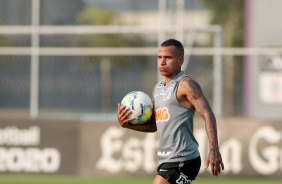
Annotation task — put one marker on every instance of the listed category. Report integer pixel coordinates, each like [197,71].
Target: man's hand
[215,161]
[124,121]
[122,114]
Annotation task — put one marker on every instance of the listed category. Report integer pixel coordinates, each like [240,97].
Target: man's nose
[162,61]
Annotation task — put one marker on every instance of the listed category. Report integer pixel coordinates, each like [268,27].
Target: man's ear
[181,60]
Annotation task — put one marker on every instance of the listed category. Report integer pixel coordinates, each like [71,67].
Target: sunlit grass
[16,179]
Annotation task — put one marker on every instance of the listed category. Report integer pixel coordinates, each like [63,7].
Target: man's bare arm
[124,121]
[200,103]
[203,108]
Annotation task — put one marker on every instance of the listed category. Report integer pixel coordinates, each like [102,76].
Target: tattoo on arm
[203,108]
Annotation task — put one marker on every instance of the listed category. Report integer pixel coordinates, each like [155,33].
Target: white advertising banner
[249,148]
[38,147]
[270,87]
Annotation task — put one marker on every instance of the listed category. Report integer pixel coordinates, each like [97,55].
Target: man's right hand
[122,114]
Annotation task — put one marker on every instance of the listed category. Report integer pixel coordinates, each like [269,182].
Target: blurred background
[83,56]
[68,63]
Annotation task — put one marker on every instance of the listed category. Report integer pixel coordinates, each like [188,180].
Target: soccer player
[175,100]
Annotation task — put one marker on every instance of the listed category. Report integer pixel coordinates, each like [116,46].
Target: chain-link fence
[81,57]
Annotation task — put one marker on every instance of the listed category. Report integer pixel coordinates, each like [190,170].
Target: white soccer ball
[140,104]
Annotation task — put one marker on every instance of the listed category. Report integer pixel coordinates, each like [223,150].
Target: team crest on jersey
[167,93]
[183,179]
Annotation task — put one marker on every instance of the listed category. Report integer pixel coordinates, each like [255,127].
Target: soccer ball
[140,104]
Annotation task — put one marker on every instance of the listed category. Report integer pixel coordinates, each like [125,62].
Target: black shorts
[180,172]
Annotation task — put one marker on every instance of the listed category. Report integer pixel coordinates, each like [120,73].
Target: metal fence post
[34,76]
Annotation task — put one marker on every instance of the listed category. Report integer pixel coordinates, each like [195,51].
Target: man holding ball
[175,100]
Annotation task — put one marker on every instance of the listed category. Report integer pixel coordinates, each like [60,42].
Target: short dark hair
[175,43]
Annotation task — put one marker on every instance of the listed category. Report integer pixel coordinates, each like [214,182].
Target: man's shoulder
[184,80]
[187,80]
[188,85]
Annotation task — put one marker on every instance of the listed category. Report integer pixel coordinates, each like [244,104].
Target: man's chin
[163,73]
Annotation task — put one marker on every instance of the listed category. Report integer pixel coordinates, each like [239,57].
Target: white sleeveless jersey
[174,124]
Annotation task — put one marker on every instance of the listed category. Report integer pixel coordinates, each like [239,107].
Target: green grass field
[11,179]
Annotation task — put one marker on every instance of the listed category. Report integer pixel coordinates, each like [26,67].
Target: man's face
[169,61]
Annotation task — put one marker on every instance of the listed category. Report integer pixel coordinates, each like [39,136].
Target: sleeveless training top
[174,124]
